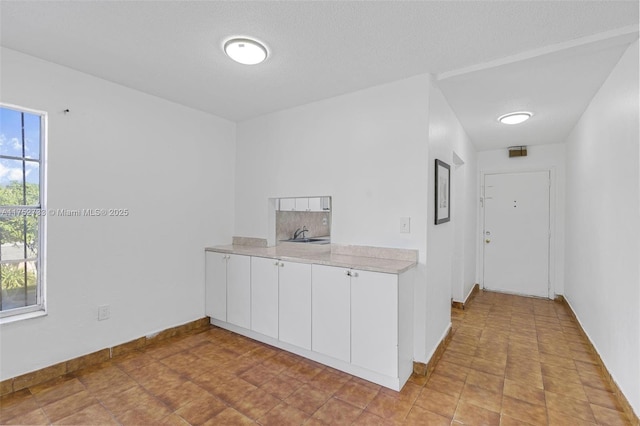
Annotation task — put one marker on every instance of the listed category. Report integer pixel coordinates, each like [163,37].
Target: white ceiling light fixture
[245,50]
[515,117]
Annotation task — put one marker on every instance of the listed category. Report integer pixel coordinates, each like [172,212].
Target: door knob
[487,241]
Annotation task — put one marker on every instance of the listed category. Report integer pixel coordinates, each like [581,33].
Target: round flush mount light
[515,117]
[245,50]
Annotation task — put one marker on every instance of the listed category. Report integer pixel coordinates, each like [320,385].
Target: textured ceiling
[318,49]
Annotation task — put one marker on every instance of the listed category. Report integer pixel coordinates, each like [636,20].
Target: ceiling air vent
[517,151]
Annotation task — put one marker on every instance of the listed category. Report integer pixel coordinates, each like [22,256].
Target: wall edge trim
[622,399]
[425,369]
[23,381]
[472,294]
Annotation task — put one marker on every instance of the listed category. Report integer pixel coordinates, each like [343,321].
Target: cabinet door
[315,204]
[287,204]
[264,296]
[239,290]
[295,304]
[330,312]
[374,321]
[216,285]
[302,204]
[325,203]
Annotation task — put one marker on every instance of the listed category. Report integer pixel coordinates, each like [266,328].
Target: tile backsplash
[288,221]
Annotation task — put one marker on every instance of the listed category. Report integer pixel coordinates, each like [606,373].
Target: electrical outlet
[104,312]
[405,225]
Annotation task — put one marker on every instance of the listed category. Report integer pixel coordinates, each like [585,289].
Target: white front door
[516,233]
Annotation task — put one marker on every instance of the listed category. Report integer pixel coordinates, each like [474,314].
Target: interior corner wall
[446,136]
[365,149]
[539,157]
[603,224]
[171,166]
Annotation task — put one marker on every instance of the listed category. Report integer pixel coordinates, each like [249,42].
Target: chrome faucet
[299,232]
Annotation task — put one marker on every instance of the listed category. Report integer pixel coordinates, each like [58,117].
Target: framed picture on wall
[443,192]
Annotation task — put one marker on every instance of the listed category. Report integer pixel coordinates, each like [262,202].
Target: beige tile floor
[512,361]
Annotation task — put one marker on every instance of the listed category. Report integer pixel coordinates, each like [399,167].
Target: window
[22,210]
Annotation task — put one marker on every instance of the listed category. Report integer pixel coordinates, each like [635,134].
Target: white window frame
[40,308]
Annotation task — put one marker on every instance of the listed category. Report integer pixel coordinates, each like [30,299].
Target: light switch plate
[405,225]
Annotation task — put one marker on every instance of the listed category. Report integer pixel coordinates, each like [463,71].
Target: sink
[322,240]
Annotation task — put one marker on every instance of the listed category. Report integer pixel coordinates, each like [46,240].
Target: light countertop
[387,260]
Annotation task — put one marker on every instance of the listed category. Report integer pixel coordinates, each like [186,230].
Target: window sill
[25,316]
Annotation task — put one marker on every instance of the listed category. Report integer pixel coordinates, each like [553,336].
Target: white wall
[451,261]
[539,157]
[367,149]
[171,166]
[603,224]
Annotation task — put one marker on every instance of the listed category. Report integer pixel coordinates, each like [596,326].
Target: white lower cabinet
[281,300]
[239,290]
[357,321]
[264,296]
[355,317]
[330,312]
[216,285]
[295,304]
[374,321]
[228,288]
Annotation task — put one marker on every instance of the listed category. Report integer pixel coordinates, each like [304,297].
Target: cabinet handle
[347,273]
[277,263]
[354,274]
[281,265]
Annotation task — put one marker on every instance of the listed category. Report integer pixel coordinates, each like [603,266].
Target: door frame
[553,208]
